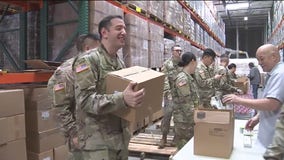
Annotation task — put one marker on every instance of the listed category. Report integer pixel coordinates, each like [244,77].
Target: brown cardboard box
[39,121]
[14,150]
[61,152]
[12,128]
[12,102]
[213,132]
[243,84]
[47,155]
[151,80]
[37,98]
[44,141]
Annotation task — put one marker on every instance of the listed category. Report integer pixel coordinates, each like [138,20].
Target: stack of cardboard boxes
[42,129]
[12,124]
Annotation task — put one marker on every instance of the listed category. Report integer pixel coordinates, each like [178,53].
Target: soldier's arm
[226,85]
[276,149]
[87,98]
[167,88]
[65,107]
[183,89]
[204,81]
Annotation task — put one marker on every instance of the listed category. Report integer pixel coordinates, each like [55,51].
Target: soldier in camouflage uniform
[61,88]
[206,80]
[232,69]
[275,151]
[101,134]
[186,100]
[171,69]
[226,83]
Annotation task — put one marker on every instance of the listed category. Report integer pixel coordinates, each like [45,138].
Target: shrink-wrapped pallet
[99,10]
[156,46]
[135,51]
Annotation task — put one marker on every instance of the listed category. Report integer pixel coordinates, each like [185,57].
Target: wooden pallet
[146,146]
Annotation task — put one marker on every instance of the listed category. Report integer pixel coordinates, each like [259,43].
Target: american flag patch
[81,67]
[59,86]
[181,83]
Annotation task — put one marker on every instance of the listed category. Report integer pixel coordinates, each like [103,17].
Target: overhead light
[245,18]
[235,6]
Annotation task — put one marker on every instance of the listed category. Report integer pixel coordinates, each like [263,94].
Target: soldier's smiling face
[116,33]
[208,60]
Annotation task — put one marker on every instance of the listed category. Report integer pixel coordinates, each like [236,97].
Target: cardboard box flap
[242,79]
[211,116]
[40,64]
[137,74]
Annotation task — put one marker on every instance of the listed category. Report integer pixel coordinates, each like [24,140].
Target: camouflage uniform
[61,90]
[206,83]
[171,69]
[276,149]
[226,83]
[101,134]
[187,99]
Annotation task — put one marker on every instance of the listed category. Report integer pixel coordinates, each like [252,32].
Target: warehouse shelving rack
[22,76]
[131,9]
[275,30]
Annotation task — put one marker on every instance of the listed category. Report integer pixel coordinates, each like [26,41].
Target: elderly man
[269,105]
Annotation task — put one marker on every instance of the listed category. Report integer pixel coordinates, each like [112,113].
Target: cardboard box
[44,141]
[12,102]
[151,80]
[12,128]
[39,64]
[14,150]
[213,132]
[243,84]
[37,98]
[47,155]
[61,152]
[39,121]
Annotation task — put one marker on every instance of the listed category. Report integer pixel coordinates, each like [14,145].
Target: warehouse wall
[249,39]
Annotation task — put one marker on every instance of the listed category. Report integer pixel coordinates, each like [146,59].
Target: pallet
[146,146]
[137,9]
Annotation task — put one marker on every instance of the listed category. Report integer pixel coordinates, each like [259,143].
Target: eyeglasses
[178,50]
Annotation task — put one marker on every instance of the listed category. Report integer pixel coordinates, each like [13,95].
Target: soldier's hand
[75,142]
[133,98]
[218,76]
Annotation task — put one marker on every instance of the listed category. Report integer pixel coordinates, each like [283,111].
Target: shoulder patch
[81,67]
[182,83]
[59,86]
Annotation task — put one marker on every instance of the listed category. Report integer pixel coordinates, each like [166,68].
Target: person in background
[269,106]
[226,83]
[254,77]
[171,69]
[61,87]
[186,100]
[101,134]
[232,71]
[206,80]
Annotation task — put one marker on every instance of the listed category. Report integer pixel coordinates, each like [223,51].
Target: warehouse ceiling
[256,12]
